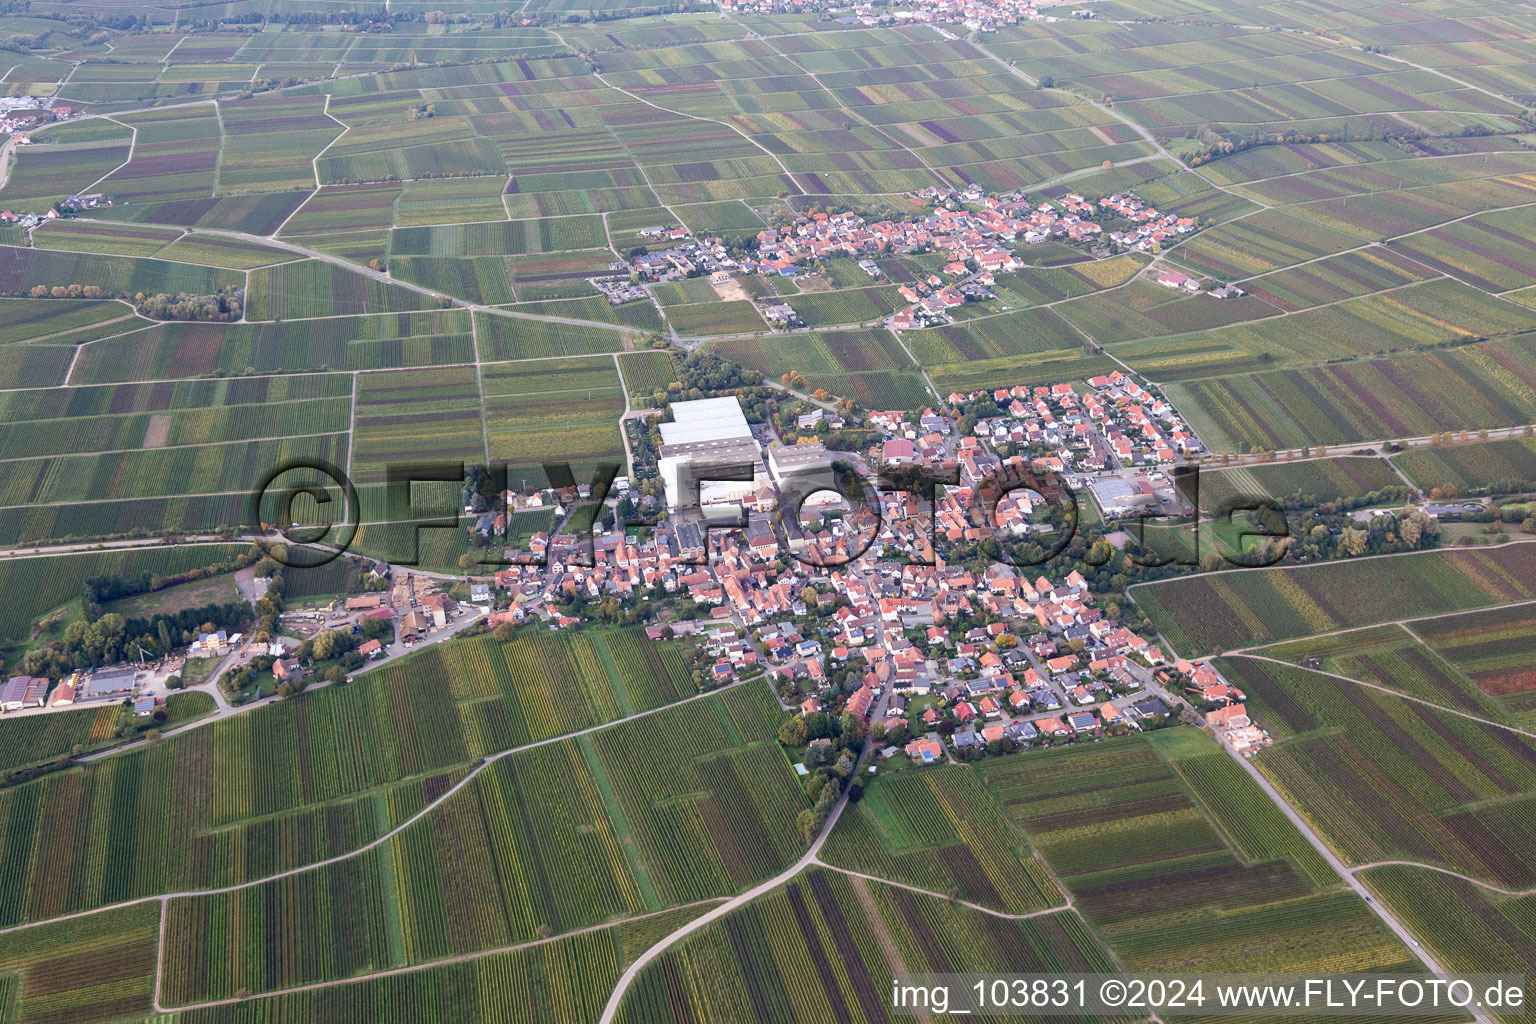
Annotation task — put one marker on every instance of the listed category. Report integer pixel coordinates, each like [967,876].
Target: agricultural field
[427,719]
[1382,778]
[1394,657]
[312,288]
[868,365]
[1494,649]
[1487,384]
[1298,484]
[941,831]
[1504,464]
[1467,927]
[504,338]
[565,980]
[1221,611]
[415,416]
[44,982]
[554,838]
[1178,859]
[823,946]
[40,737]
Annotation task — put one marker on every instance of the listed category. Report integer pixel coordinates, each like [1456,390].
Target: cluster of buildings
[975,15]
[689,257]
[22,114]
[103,684]
[1112,423]
[73,204]
[1151,230]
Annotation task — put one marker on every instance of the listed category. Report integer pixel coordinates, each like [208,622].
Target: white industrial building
[708,436]
[806,470]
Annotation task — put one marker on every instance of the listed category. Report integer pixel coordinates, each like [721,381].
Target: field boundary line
[1065,908]
[411,968]
[484,763]
[1392,692]
[1445,871]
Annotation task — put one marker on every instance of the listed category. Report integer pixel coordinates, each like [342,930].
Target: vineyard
[203,809]
[98,968]
[1381,778]
[940,830]
[824,947]
[1466,927]
[1393,657]
[40,737]
[1152,832]
[1495,649]
[1468,467]
[548,840]
[565,981]
[1300,484]
[1219,611]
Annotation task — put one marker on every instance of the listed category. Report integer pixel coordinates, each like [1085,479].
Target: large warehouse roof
[708,419]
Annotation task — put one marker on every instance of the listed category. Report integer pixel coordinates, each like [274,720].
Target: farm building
[23,692]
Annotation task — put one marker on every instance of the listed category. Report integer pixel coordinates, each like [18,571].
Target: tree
[324,644]
[1354,541]
[503,631]
[793,732]
[336,674]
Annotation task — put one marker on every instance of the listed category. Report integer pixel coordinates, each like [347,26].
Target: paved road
[1387,917]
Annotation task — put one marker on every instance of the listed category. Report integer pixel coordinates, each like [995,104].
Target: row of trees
[223,306]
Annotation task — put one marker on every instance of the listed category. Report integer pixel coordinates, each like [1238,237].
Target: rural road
[1360,889]
[423,812]
[807,859]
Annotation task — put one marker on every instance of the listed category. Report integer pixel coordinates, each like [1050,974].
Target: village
[974,16]
[881,612]
[975,232]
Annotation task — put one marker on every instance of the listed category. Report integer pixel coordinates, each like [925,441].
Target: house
[1150,707]
[926,750]
[1082,721]
[23,692]
[1022,732]
[370,649]
[286,670]
[859,704]
[1233,716]
[144,707]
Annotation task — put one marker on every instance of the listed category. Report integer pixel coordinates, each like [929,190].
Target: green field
[428,717]
[1220,611]
[553,839]
[1381,778]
